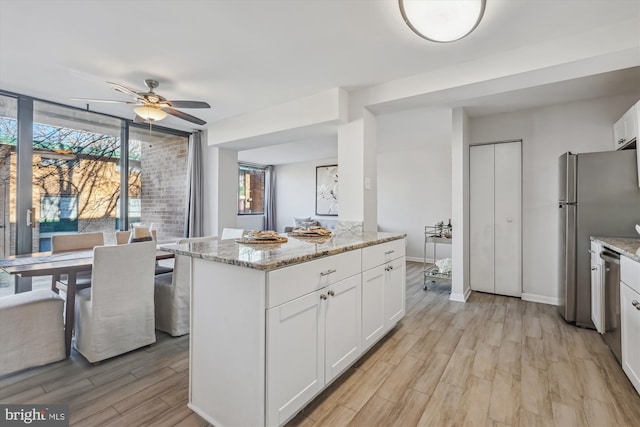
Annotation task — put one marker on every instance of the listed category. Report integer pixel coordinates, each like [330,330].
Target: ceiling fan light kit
[150,114]
[442,21]
[152,107]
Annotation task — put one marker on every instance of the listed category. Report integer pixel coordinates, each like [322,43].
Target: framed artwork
[327,190]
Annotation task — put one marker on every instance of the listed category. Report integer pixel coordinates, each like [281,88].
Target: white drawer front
[292,282]
[630,273]
[372,256]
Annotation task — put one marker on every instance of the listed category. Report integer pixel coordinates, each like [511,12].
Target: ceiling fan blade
[189,104]
[184,116]
[110,101]
[125,89]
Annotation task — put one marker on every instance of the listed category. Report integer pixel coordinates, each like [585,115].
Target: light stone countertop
[276,255]
[627,246]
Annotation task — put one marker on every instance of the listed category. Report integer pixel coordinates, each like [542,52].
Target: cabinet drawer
[373,256]
[630,273]
[292,282]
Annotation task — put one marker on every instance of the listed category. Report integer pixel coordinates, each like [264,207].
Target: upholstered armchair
[172,294]
[32,330]
[116,314]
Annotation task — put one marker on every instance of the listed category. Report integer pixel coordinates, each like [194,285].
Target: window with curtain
[251,183]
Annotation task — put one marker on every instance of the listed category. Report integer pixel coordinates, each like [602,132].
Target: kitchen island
[272,325]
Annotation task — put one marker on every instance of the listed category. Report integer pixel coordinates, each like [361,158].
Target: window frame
[254,167]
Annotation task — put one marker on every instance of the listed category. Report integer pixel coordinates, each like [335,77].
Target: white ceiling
[245,55]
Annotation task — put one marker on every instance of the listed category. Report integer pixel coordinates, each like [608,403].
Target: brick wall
[164,185]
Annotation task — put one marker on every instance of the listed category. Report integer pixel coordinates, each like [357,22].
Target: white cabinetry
[630,318]
[295,355]
[313,338]
[625,130]
[597,287]
[264,343]
[383,289]
[495,256]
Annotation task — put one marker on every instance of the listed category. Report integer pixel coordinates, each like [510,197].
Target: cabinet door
[630,319]
[481,214]
[394,291]
[619,133]
[373,314]
[343,325]
[295,355]
[508,231]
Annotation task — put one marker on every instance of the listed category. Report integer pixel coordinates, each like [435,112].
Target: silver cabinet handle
[621,140]
[323,296]
[331,293]
[389,252]
[326,273]
[388,268]
[636,304]
[594,268]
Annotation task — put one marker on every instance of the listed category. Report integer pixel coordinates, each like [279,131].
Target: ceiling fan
[152,107]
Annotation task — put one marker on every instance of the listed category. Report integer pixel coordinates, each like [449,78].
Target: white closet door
[481,216]
[508,219]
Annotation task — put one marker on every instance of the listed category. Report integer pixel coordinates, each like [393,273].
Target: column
[357,171]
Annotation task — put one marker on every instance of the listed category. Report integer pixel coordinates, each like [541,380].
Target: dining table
[63,263]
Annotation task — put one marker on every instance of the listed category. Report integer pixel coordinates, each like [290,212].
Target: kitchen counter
[277,255]
[627,246]
[272,325]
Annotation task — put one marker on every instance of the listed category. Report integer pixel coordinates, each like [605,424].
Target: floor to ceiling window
[8,138]
[76,174]
[60,172]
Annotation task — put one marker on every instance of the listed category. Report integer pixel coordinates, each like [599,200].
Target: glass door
[76,173]
[8,139]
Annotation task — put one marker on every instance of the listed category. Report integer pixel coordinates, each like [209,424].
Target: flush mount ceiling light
[442,20]
[150,114]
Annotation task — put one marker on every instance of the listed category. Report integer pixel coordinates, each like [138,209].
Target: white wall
[546,133]
[414,183]
[251,222]
[296,191]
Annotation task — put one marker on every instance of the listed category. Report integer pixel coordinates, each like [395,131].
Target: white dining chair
[116,314]
[122,237]
[232,233]
[172,293]
[70,243]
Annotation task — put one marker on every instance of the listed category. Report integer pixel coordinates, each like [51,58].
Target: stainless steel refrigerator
[599,196]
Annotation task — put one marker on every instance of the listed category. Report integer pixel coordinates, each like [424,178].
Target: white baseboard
[460,297]
[540,298]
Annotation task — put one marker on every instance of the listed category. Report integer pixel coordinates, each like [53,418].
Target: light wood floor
[494,361]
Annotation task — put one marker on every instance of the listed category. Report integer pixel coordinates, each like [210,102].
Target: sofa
[328,223]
